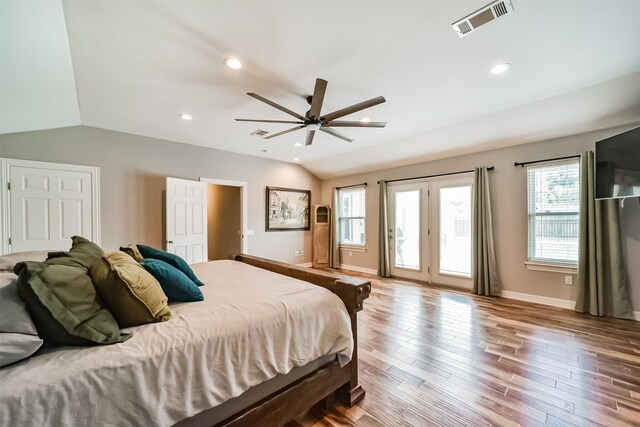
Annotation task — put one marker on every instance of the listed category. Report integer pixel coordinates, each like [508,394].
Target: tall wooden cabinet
[321,235]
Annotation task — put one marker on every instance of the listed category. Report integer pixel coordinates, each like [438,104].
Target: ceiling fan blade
[354,108]
[354,124]
[269,121]
[318,99]
[283,132]
[310,134]
[336,134]
[278,106]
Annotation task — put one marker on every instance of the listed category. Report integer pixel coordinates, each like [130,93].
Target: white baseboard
[359,269]
[305,264]
[537,299]
[554,302]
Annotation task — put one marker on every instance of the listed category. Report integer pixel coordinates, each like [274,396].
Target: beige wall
[223,221]
[133,170]
[509,203]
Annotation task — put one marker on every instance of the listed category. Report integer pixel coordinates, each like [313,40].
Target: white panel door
[48,207]
[186,213]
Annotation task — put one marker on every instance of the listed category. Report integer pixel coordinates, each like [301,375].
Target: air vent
[259,132]
[480,17]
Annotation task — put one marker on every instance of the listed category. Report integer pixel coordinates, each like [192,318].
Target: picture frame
[287,209]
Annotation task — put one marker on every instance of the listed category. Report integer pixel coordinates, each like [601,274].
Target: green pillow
[83,253]
[175,284]
[132,294]
[171,259]
[63,304]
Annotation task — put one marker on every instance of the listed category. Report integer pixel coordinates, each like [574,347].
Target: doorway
[224,220]
[430,230]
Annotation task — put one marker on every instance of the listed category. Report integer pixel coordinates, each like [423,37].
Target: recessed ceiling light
[295,159]
[186,116]
[233,63]
[365,120]
[297,144]
[500,68]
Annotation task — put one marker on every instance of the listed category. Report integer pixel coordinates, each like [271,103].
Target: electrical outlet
[568,280]
[298,253]
[350,253]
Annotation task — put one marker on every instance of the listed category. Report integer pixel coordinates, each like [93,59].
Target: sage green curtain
[334,251]
[603,281]
[384,269]
[486,280]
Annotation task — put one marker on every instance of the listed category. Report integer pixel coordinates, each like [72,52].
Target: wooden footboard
[321,383]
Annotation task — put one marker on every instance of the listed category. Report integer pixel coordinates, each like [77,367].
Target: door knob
[169,241]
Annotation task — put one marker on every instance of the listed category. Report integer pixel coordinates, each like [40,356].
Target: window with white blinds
[554,198]
[351,219]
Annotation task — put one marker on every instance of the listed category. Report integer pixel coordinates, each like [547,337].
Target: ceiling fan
[314,121]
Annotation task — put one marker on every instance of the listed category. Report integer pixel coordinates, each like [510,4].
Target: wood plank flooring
[437,357]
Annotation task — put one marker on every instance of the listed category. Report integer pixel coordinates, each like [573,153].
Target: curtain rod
[364,184]
[490,168]
[523,164]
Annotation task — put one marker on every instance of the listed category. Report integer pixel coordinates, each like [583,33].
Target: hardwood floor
[433,356]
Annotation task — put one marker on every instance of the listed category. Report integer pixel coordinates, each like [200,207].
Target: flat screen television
[618,166]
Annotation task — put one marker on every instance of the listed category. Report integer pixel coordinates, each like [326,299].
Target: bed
[269,341]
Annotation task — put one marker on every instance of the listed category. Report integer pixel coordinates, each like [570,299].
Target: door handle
[169,241]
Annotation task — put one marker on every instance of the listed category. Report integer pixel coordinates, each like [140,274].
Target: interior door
[48,205]
[451,231]
[186,219]
[409,230]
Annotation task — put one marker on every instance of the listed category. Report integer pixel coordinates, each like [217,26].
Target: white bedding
[252,326]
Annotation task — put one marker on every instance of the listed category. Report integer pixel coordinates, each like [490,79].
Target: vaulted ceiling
[134,66]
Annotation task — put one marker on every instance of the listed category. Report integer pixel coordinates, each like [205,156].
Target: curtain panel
[334,251]
[603,281]
[486,280]
[384,268]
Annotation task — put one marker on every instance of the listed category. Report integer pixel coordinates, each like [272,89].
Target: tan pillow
[133,296]
[132,251]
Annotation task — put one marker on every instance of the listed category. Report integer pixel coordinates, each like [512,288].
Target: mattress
[252,326]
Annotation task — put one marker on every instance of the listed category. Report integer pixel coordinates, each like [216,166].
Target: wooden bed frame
[329,381]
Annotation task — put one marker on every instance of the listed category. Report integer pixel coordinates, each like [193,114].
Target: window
[352,216]
[554,197]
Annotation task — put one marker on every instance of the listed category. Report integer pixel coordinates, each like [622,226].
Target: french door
[408,230]
[430,230]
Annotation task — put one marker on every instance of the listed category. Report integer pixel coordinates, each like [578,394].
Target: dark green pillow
[83,253]
[63,304]
[171,259]
[175,284]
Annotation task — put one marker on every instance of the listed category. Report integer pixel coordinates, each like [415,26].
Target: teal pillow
[175,284]
[171,259]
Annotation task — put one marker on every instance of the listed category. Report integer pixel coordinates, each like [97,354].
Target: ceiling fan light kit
[314,121]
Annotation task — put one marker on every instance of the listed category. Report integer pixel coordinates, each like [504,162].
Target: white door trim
[6,164]
[244,206]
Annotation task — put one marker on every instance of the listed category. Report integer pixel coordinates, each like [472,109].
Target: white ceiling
[37,89]
[576,67]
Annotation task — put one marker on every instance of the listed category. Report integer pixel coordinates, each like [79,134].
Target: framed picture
[288,209]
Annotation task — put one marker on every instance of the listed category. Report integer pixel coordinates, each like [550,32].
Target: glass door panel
[407,229]
[455,231]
